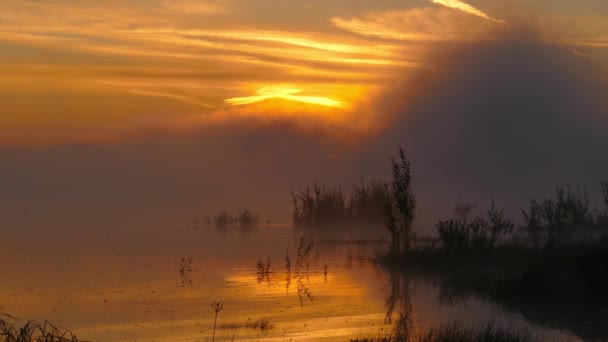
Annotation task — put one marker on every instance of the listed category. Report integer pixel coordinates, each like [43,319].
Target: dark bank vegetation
[550,266]
[459,332]
[33,331]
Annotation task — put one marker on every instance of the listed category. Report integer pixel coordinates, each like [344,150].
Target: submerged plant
[263,270]
[216,307]
[288,271]
[185,270]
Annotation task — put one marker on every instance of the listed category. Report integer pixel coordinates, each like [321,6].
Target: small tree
[400,210]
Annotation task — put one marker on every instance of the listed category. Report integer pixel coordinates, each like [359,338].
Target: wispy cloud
[416,24]
[463,6]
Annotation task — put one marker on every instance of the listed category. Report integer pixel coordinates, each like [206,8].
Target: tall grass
[322,206]
[480,232]
[553,220]
[33,331]
[319,206]
[244,218]
[216,307]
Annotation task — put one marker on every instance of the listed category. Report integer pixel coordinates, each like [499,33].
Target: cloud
[154,58]
[462,6]
[417,25]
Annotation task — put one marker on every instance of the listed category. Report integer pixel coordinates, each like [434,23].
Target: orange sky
[96,71]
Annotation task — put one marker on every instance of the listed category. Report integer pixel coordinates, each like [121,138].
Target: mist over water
[503,119]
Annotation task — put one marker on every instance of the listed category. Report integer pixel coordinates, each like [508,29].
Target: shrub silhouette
[321,206]
[400,210]
[554,219]
[481,232]
[245,218]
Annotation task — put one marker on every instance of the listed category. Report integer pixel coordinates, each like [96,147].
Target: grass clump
[244,218]
[553,219]
[322,206]
[33,331]
[481,232]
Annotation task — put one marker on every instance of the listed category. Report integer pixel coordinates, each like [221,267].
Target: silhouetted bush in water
[263,270]
[481,232]
[223,219]
[248,219]
[367,202]
[245,219]
[322,206]
[553,219]
[33,331]
[400,210]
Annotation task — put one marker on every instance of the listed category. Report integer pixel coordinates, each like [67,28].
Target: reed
[33,331]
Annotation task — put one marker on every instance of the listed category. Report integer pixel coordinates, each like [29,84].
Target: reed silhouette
[301,270]
[216,307]
[480,232]
[245,218]
[263,270]
[185,271]
[33,331]
[323,206]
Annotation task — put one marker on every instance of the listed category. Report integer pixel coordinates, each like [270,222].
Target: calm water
[115,284]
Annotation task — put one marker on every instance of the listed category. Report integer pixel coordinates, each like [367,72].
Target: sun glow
[284,93]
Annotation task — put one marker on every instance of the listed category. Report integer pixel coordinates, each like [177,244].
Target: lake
[157,283]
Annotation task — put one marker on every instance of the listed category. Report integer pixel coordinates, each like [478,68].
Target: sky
[98,71]
[197,105]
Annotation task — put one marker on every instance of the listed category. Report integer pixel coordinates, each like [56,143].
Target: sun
[284,93]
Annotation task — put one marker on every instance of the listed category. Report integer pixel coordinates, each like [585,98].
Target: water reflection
[116,283]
